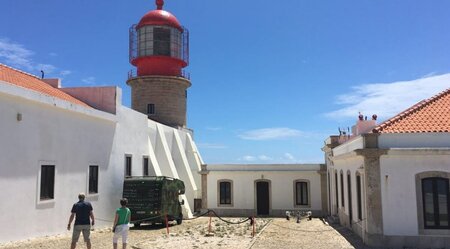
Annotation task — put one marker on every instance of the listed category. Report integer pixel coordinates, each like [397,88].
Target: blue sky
[270,79]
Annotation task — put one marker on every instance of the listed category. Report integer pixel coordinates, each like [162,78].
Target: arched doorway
[262,197]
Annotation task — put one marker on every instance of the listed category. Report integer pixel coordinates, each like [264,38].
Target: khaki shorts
[77,229]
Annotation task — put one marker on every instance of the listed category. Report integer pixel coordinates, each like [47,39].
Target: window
[358,196]
[145,166]
[225,193]
[301,193]
[336,191]
[151,109]
[166,41]
[127,165]
[436,202]
[349,197]
[161,41]
[342,190]
[93,179]
[47,182]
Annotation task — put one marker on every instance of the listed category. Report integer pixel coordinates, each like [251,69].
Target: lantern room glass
[159,41]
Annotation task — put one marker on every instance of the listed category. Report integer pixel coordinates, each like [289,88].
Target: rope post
[209,227]
[254,230]
[167,224]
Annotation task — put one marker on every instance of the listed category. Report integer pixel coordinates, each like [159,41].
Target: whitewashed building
[56,142]
[389,182]
[264,189]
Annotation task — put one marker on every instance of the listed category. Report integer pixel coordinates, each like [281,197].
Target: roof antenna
[42,74]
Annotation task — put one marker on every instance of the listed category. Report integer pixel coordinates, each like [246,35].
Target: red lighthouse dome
[160,17]
[159,44]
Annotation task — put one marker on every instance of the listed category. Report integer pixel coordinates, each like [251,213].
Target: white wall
[282,186]
[351,145]
[414,140]
[72,137]
[53,134]
[353,164]
[398,170]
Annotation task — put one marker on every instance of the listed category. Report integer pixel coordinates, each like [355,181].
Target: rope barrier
[230,222]
[196,217]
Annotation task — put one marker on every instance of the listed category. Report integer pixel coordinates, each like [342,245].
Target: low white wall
[351,145]
[281,183]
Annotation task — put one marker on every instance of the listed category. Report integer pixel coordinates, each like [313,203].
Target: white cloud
[213,128]
[16,55]
[388,99]
[286,158]
[89,80]
[255,159]
[270,134]
[65,72]
[211,146]
[264,158]
[247,158]
[289,156]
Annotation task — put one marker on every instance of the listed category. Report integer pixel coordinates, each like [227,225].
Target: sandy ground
[270,233]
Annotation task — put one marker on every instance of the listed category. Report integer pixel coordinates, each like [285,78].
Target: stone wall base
[419,241]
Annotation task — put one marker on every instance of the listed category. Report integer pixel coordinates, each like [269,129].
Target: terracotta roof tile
[28,81]
[431,115]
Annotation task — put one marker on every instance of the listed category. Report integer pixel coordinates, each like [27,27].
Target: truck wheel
[137,225]
[180,220]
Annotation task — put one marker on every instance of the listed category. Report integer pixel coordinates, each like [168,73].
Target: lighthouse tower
[159,48]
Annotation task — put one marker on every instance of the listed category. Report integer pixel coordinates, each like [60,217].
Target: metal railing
[184,74]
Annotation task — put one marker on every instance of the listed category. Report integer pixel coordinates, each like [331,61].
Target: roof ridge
[20,71]
[411,110]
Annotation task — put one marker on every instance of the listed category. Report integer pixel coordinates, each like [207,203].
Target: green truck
[152,198]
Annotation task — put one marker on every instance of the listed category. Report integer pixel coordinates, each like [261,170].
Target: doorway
[262,198]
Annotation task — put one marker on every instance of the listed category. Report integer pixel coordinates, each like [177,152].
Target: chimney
[364,126]
[56,83]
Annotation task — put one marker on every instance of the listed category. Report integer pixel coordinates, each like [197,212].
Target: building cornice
[419,151]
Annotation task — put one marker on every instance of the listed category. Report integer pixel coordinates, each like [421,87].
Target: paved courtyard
[271,233]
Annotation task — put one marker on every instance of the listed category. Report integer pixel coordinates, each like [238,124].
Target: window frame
[336,190]
[151,110]
[51,196]
[219,197]
[434,181]
[145,166]
[342,190]
[128,165]
[423,230]
[93,182]
[308,193]
[359,196]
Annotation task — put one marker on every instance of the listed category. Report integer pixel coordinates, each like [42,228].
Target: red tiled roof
[431,115]
[28,81]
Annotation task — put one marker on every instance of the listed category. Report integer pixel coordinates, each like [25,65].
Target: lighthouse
[159,49]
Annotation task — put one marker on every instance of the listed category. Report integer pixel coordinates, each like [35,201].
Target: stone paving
[271,233]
